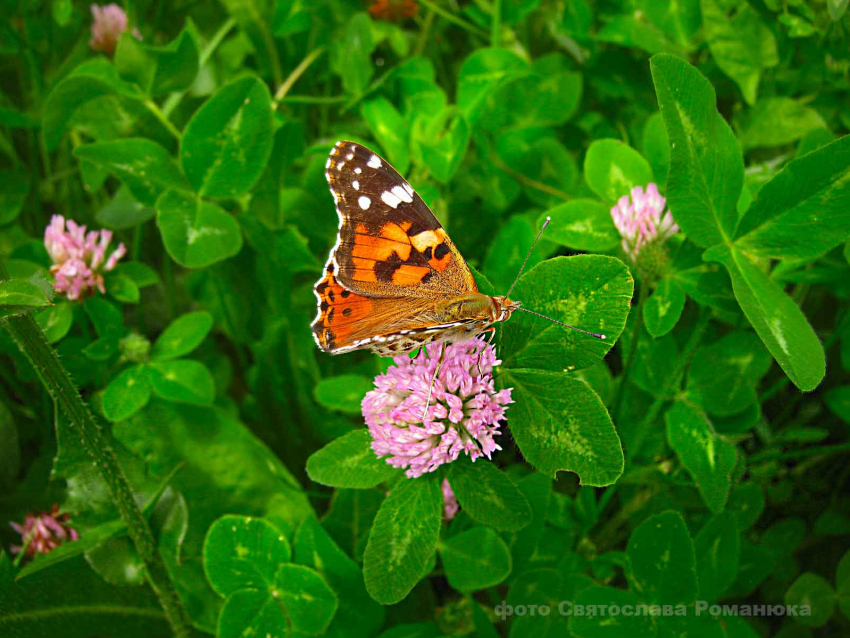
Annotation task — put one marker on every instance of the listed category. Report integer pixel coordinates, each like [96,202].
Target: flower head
[43,532]
[78,257]
[463,415]
[642,220]
[450,504]
[108,24]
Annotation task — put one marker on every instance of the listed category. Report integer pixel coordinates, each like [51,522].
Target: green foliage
[693,457]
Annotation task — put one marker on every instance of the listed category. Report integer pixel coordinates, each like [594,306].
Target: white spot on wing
[390,199]
[358,170]
[402,194]
[364,202]
[350,156]
[356,185]
[374,162]
[409,190]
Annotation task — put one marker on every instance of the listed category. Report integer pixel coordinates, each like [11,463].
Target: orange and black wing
[389,244]
[347,321]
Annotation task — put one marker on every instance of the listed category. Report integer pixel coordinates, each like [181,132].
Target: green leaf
[548,96]
[299,599]
[776,318]
[126,394]
[777,121]
[837,8]
[723,376]
[612,169]
[141,274]
[91,539]
[662,310]
[56,320]
[488,495]
[243,553]
[475,559]
[717,547]
[483,72]
[539,156]
[349,462]
[122,288]
[508,251]
[182,336]
[708,459]
[89,605]
[352,54]
[19,295]
[144,166]
[814,591]
[662,563]
[441,141]
[183,380]
[14,189]
[358,615]
[842,582]
[582,224]
[89,81]
[655,147]
[403,539]
[591,292]
[160,69]
[747,502]
[741,44]
[804,211]
[196,233]
[226,144]
[10,451]
[607,626]
[343,393]
[124,211]
[389,129]
[706,167]
[560,424]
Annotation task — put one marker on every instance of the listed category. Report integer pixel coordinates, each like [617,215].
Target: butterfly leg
[433,379]
[489,339]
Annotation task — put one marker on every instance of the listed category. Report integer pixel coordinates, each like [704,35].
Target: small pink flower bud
[78,256]
[642,219]
[108,24]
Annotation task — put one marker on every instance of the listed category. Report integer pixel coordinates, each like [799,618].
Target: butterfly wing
[390,244]
[389,326]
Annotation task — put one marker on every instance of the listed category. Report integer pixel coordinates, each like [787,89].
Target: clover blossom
[642,219]
[108,24]
[463,415]
[43,532]
[78,256]
[450,504]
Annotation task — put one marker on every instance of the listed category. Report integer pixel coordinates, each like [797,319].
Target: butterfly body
[394,281]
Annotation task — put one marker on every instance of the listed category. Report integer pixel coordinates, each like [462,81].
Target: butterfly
[394,281]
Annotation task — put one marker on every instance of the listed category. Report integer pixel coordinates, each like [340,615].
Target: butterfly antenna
[537,314]
[561,323]
[527,255]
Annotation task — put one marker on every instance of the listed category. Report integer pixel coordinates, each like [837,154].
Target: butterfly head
[503,308]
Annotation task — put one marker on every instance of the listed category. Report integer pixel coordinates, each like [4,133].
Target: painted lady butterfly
[394,281]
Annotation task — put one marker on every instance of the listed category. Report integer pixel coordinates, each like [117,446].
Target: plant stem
[296,73]
[158,114]
[453,18]
[620,395]
[174,99]
[496,24]
[56,380]
[528,181]
[313,99]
